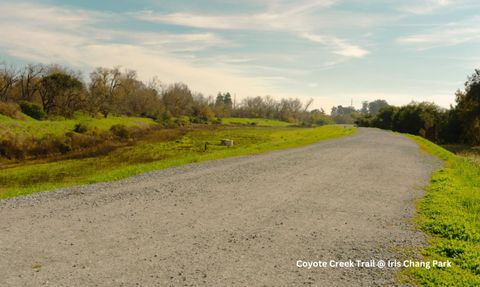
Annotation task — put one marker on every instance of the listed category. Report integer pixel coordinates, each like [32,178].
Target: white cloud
[291,18]
[445,35]
[177,42]
[339,46]
[426,6]
[71,37]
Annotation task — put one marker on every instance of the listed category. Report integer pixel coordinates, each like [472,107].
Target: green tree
[61,93]
[375,106]
[384,118]
[468,108]
[419,119]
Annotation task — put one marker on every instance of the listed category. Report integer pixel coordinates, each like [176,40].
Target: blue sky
[329,50]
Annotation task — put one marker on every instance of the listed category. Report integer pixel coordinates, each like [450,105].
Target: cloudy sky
[329,50]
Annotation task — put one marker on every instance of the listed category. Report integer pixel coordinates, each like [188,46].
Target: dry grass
[11,110]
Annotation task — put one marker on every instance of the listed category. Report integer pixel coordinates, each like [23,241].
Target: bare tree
[29,81]
[308,104]
[8,78]
[178,99]
[104,88]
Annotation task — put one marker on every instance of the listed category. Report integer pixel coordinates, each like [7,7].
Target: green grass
[151,155]
[33,128]
[470,152]
[255,121]
[450,214]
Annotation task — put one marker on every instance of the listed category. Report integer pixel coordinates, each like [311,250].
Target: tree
[227,101]
[468,108]
[316,117]
[223,104]
[178,100]
[104,90]
[290,109]
[372,108]
[29,81]
[418,119]
[384,118]
[60,93]
[342,111]
[364,109]
[8,78]
[219,100]
[201,111]
[375,106]
[343,115]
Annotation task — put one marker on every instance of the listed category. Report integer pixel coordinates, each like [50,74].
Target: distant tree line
[289,110]
[459,124]
[348,115]
[50,91]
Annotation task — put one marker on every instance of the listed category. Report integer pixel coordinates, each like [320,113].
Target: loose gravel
[242,221]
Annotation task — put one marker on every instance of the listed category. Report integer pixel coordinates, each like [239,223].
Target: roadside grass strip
[449,214]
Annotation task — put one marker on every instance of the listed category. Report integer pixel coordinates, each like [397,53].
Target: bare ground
[242,221]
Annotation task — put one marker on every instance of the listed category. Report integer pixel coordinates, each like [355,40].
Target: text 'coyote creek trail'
[241,221]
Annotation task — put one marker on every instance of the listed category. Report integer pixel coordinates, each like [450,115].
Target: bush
[182,121]
[151,115]
[80,128]
[120,131]
[33,110]
[12,148]
[11,110]
[63,146]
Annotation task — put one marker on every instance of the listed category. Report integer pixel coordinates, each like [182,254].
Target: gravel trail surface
[242,221]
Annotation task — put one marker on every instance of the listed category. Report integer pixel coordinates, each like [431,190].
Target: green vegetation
[29,139]
[470,152]
[255,122]
[32,110]
[161,149]
[458,125]
[35,128]
[450,214]
[49,91]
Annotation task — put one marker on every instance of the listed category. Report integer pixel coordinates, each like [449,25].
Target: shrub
[11,148]
[182,121]
[63,146]
[80,128]
[11,110]
[120,131]
[33,110]
[151,115]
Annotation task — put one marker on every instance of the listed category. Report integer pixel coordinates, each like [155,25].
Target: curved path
[242,221]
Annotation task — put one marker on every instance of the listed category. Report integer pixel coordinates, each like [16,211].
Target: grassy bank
[33,128]
[450,214]
[181,147]
[255,122]
[81,136]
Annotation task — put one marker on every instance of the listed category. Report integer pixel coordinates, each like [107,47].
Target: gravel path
[241,221]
